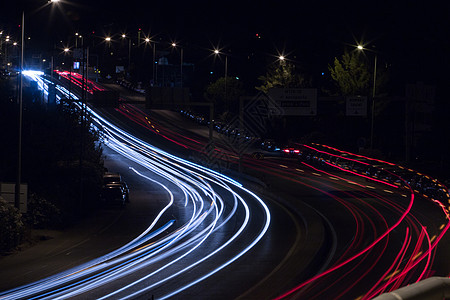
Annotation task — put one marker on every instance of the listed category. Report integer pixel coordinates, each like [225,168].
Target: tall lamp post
[217,52]
[361,48]
[181,63]
[154,63]
[124,36]
[19,144]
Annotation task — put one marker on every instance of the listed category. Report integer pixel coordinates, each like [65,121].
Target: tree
[283,75]
[225,93]
[351,74]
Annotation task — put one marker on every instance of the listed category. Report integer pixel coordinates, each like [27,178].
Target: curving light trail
[162,253]
[377,224]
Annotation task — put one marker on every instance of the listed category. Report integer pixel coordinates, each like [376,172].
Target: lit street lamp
[217,52]
[181,63]
[19,146]
[124,36]
[361,48]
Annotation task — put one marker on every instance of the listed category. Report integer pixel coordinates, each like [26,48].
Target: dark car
[113,193]
[116,178]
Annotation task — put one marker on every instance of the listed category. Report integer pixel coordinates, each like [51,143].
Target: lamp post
[124,36]
[19,144]
[154,65]
[181,63]
[217,52]
[361,48]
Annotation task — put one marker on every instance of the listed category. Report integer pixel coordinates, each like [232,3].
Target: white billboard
[356,106]
[295,101]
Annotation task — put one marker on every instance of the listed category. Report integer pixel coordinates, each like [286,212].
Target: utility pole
[19,150]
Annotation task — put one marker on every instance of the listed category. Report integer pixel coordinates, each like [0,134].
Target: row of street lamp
[108,39]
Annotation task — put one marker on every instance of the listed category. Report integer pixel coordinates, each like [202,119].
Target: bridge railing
[433,288]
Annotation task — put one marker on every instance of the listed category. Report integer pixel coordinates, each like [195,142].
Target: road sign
[296,101]
[356,106]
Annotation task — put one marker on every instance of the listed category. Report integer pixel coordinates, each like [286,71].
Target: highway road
[288,229]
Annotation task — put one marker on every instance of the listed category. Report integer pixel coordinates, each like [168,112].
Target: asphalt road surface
[289,229]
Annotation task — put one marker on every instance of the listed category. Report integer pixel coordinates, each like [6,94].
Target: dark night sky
[413,38]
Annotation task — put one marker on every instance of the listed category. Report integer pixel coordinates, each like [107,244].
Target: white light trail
[210,200]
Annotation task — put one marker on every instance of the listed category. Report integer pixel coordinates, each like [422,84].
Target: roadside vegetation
[62,188]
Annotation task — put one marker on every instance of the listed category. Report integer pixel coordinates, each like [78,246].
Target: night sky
[412,38]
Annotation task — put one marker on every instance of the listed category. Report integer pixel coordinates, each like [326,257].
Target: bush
[42,213]
[11,226]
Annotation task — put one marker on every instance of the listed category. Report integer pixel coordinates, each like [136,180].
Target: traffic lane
[386,209]
[147,199]
[108,230]
[300,265]
[170,263]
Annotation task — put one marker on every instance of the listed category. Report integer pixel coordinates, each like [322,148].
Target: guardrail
[433,288]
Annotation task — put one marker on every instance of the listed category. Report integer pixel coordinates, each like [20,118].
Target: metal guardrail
[433,288]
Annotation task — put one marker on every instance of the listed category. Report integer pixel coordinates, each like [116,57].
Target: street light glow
[147,40]
[174,45]
[281,57]
[360,47]
[66,50]
[124,36]
[216,51]
[54,1]
[108,39]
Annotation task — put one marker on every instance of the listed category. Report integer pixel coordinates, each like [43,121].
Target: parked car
[114,193]
[116,178]
[110,177]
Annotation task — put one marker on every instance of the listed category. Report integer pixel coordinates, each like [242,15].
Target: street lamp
[154,64]
[181,63]
[19,146]
[361,48]
[78,36]
[124,36]
[217,52]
